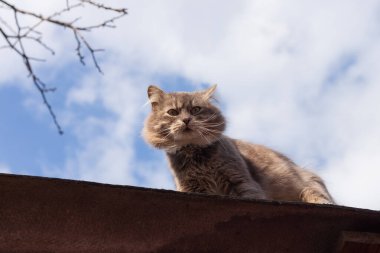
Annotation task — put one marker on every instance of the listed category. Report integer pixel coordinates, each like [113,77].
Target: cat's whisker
[206,130]
[213,116]
[208,124]
[176,128]
[215,135]
[201,124]
[212,125]
[203,136]
[218,139]
[164,132]
[210,130]
[166,136]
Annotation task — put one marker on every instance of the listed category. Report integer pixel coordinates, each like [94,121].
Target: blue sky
[296,76]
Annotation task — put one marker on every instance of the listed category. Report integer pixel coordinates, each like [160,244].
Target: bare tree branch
[15,37]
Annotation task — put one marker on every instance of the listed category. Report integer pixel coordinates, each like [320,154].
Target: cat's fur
[189,127]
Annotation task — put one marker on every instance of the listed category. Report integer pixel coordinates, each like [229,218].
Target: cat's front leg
[193,186]
[249,189]
[242,183]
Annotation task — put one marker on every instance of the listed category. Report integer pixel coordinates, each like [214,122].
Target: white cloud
[4,169]
[154,174]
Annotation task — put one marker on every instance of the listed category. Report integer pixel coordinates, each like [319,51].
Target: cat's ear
[155,95]
[207,94]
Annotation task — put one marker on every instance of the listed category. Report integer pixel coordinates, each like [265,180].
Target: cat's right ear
[207,94]
[155,96]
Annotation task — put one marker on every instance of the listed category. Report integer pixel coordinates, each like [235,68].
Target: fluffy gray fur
[189,127]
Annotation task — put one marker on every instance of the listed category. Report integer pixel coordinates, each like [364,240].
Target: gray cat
[189,127]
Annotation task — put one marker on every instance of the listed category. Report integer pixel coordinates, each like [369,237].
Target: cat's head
[182,118]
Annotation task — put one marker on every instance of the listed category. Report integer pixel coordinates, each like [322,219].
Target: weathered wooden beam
[54,215]
[351,242]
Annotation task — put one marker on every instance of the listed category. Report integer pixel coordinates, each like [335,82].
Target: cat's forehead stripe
[181,100]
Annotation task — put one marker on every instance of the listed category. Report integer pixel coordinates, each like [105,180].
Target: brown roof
[55,215]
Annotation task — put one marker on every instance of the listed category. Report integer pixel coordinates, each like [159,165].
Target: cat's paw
[318,200]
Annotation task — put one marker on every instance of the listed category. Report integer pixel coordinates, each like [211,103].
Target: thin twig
[15,37]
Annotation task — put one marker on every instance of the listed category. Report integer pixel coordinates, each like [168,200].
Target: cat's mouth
[186,132]
[185,129]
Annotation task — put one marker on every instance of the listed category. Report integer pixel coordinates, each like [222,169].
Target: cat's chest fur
[192,156]
[201,169]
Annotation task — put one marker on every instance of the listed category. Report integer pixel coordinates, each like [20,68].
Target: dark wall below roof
[53,215]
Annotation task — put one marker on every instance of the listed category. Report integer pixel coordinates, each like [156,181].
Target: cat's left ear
[207,94]
[155,95]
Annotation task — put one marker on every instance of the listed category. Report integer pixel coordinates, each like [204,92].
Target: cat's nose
[186,120]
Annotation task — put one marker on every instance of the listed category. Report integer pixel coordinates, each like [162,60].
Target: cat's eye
[173,112]
[195,110]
